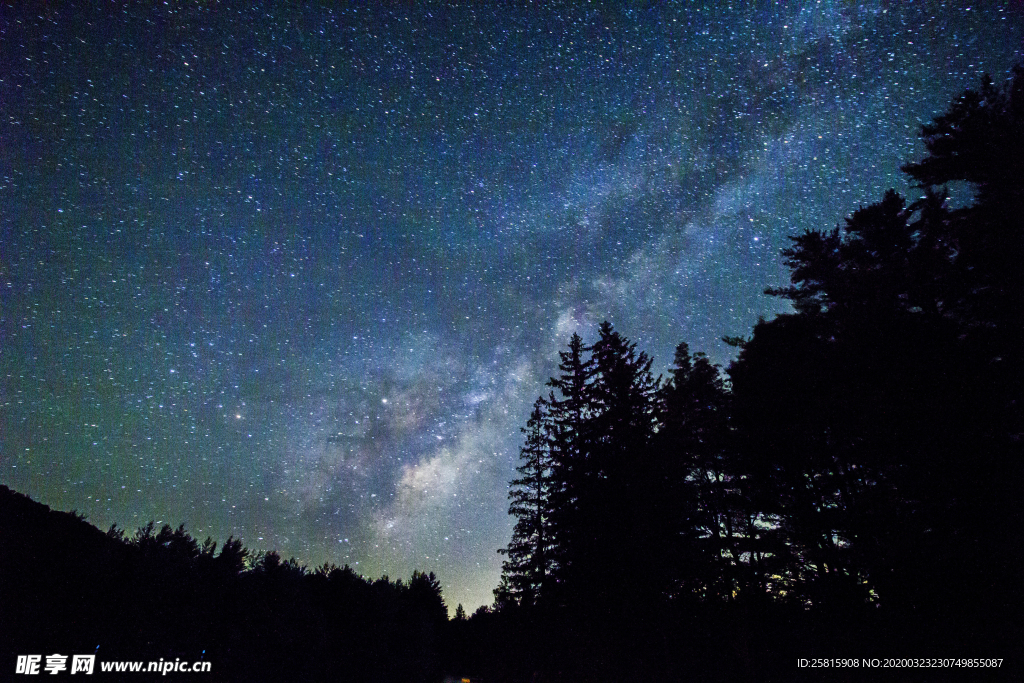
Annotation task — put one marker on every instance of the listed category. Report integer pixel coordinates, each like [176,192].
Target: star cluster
[296,274]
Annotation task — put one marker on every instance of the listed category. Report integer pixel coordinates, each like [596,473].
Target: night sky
[297,275]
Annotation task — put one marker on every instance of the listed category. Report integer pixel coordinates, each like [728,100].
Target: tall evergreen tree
[571,408]
[693,435]
[728,544]
[980,140]
[586,476]
[618,514]
[527,571]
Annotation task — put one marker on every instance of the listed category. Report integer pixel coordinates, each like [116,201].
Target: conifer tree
[609,484]
[526,572]
[570,411]
[586,476]
[623,419]
[693,415]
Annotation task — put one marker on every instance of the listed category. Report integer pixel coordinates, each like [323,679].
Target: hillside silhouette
[65,586]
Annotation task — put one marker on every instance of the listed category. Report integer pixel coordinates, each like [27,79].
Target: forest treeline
[858,462]
[849,487]
[67,587]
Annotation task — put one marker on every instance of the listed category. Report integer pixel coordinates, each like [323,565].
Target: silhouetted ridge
[65,586]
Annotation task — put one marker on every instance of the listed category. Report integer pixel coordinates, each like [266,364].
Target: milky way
[296,275]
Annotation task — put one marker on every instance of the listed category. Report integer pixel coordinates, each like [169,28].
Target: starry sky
[297,274]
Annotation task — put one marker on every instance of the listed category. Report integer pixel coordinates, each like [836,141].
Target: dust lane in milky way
[296,275]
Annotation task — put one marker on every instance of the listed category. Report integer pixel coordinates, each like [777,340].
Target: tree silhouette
[726,543]
[570,408]
[526,572]
[617,513]
[159,593]
[889,400]
[588,474]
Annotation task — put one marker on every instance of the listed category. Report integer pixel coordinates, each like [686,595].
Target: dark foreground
[68,588]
